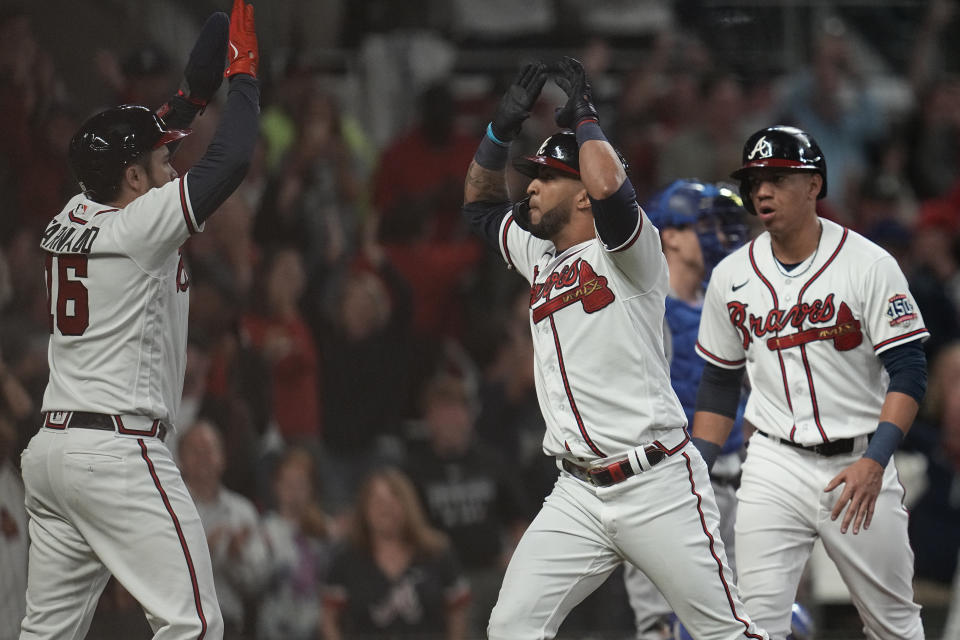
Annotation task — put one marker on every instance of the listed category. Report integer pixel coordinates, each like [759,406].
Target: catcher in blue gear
[700,223]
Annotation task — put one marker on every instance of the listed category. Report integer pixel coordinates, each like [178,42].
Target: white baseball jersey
[810,336]
[602,379]
[118,298]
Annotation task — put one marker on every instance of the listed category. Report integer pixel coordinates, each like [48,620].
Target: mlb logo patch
[900,310]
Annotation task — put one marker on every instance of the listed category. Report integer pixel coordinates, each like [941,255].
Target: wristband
[490,154]
[884,442]
[709,451]
[494,138]
[589,129]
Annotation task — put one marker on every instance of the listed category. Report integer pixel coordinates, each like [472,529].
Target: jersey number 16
[71,313]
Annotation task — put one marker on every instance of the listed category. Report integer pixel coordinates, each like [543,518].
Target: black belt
[613,473]
[832,448]
[104,422]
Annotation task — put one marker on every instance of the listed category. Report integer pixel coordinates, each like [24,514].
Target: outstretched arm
[485,196]
[222,168]
[602,171]
[486,181]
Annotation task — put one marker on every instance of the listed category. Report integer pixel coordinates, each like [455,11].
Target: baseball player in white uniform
[631,485]
[102,491]
[826,328]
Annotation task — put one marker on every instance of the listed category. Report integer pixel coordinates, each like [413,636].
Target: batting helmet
[780,147]
[560,151]
[111,140]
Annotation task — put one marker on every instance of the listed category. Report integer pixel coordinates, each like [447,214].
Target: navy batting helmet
[111,140]
[560,151]
[780,147]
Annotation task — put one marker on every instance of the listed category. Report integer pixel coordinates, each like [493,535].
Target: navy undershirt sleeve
[616,217]
[224,165]
[719,390]
[484,219]
[907,366]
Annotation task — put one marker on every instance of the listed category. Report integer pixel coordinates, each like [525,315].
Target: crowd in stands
[359,426]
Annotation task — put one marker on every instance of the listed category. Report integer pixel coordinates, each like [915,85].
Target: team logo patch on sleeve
[900,310]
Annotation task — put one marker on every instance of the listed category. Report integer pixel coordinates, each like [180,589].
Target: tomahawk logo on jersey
[588,413]
[801,332]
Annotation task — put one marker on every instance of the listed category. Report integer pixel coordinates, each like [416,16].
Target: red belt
[612,473]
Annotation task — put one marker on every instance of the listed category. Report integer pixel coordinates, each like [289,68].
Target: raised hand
[570,76]
[516,103]
[243,55]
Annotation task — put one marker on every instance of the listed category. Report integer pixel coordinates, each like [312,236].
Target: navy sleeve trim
[484,219]
[224,165]
[719,390]
[618,218]
[907,366]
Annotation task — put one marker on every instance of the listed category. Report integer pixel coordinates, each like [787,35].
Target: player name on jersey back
[67,238]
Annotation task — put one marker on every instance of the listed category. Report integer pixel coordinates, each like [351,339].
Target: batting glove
[202,76]
[204,71]
[516,103]
[570,76]
[244,55]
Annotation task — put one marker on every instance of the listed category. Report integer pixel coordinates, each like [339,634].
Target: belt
[102,422]
[612,473]
[832,448]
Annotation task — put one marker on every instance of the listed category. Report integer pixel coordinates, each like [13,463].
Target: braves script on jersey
[118,305]
[597,320]
[810,337]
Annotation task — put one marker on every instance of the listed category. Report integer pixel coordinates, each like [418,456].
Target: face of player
[683,245]
[159,170]
[784,200]
[552,197]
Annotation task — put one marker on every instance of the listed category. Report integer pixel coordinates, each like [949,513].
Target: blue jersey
[683,320]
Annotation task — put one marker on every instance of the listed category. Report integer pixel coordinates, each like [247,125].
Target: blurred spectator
[935,273]
[933,127]
[418,184]
[317,199]
[830,101]
[31,127]
[932,133]
[396,577]
[710,145]
[297,534]
[935,518]
[232,526]
[366,378]
[13,531]
[277,329]
[145,75]
[468,489]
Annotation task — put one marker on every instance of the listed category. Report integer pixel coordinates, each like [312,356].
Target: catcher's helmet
[715,212]
[560,151]
[111,140]
[784,148]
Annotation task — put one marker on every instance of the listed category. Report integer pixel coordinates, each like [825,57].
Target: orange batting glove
[243,56]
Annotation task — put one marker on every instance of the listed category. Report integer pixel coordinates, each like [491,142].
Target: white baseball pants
[102,504]
[663,520]
[782,511]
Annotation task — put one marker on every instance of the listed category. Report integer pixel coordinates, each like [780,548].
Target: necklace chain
[794,273]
